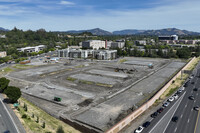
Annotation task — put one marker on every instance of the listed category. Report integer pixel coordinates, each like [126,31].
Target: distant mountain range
[98,31]
[168,31]
[2,29]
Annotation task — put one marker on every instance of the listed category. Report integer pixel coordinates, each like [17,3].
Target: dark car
[195,89]
[191,97]
[146,124]
[7,131]
[160,110]
[175,119]
[192,82]
[196,108]
[154,114]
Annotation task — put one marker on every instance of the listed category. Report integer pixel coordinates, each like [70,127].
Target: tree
[13,93]
[60,130]
[3,84]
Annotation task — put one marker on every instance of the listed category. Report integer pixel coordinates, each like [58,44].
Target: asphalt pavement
[183,108]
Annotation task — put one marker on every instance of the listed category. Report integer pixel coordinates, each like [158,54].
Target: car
[179,91]
[146,124]
[195,89]
[175,119]
[192,82]
[154,114]
[166,104]
[191,77]
[7,131]
[139,130]
[191,97]
[175,96]
[171,99]
[160,110]
[196,108]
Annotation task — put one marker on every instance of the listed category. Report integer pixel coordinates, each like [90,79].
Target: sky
[110,15]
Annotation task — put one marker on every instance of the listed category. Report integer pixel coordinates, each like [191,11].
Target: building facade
[3,54]
[95,54]
[32,49]
[94,44]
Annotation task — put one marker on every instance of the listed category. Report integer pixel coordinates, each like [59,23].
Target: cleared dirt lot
[95,93]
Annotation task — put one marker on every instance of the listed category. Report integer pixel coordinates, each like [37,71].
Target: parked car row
[167,103]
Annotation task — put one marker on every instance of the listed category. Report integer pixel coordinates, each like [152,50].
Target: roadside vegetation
[38,121]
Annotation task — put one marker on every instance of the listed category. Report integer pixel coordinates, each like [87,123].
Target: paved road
[183,108]
[197,129]
[6,123]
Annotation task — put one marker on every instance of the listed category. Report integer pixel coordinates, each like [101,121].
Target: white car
[139,130]
[166,104]
[182,88]
[175,96]
[171,99]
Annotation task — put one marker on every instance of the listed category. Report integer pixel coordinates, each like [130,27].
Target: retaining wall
[124,122]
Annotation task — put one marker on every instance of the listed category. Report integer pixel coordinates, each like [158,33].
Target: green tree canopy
[13,93]
[3,83]
[60,130]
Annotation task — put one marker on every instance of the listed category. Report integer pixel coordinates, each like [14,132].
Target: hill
[96,31]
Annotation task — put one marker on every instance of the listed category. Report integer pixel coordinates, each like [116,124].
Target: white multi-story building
[3,54]
[94,44]
[32,49]
[96,54]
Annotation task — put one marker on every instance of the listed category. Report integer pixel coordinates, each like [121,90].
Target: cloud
[66,3]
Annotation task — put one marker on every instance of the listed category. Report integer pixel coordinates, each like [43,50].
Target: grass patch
[122,60]
[22,66]
[7,69]
[80,66]
[104,85]
[31,125]
[86,82]
[55,72]
[71,79]
[171,91]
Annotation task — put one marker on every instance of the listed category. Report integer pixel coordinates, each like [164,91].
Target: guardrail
[124,122]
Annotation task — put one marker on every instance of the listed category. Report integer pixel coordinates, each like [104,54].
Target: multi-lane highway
[188,118]
[6,121]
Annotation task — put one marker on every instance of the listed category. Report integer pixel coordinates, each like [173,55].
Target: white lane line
[151,119]
[10,116]
[175,129]
[195,101]
[191,109]
[197,94]
[181,115]
[185,105]
[188,121]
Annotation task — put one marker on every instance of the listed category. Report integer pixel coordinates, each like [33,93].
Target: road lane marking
[175,129]
[196,122]
[195,101]
[181,115]
[197,94]
[188,121]
[185,105]
[151,119]
[167,112]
